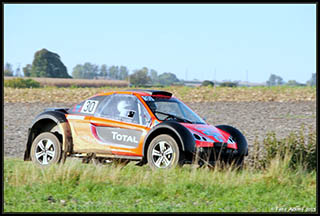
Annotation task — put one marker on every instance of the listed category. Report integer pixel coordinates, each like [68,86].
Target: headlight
[230,140]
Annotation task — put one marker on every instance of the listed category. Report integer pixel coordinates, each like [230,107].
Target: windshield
[172,108]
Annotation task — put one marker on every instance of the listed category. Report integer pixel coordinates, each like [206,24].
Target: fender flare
[182,134]
[59,119]
[241,140]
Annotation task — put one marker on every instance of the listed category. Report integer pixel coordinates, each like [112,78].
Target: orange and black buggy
[147,126]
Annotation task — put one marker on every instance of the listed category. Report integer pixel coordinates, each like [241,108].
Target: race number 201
[89,106]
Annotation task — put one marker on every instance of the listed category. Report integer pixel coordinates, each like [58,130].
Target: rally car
[148,126]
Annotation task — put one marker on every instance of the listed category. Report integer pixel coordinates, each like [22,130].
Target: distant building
[196,83]
[250,84]
[192,83]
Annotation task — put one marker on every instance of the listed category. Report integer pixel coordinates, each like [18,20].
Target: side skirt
[90,155]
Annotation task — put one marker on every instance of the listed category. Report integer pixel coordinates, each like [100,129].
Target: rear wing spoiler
[154,92]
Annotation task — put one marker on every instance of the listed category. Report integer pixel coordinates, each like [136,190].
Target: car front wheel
[46,149]
[238,137]
[163,152]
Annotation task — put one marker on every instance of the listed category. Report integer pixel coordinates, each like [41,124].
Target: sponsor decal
[78,117]
[123,137]
[217,136]
[211,132]
[89,106]
[206,130]
[78,108]
[128,138]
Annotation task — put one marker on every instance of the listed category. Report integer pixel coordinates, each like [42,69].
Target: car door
[79,120]
[121,125]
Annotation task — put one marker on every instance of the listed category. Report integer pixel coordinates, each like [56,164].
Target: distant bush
[76,83]
[229,84]
[294,83]
[207,83]
[21,83]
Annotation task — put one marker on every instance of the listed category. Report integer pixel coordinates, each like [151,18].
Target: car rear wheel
[46,149]
[163,152]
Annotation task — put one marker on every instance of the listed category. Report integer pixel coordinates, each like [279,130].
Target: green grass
[77,187]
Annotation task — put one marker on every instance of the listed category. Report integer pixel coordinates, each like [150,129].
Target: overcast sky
[194,41]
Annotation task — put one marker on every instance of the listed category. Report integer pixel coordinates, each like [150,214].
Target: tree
[228,84]
[8,71]
[18,72]
[104,71]
[78,72]
[27,70]
[86,71]
[123,73]
[293,83]
[140,77]
[272,80]
[313,80]
[48,64]
[114,72]
[275,80]
[280,81]
[207,83]
[154,76]
[167,78]
[90,70]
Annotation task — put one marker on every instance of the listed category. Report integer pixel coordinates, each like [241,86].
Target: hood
[208,131]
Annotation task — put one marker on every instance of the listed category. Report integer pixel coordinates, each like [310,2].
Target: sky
[194,41]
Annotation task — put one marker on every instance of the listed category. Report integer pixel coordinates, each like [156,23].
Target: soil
[253,119]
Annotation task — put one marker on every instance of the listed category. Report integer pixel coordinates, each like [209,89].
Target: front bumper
[211,155]
[204,144]
[211,152]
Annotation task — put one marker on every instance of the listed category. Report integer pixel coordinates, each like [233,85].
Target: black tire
[46,149]
[167,157]
[239,138]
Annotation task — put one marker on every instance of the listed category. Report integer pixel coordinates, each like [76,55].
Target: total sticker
[89,106]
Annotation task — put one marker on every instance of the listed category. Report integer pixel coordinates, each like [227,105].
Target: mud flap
[66,140]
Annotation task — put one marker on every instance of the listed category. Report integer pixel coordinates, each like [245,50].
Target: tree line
[49,64]
[92,71]
[275,80]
